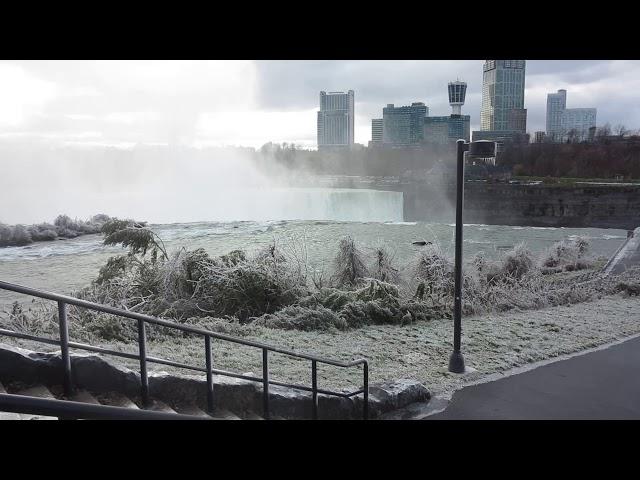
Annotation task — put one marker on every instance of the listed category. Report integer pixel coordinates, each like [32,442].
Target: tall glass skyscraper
[503,96]
[556,105]
[336,119]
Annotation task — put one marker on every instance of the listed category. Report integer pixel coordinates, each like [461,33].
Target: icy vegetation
[274,287]
[63,227]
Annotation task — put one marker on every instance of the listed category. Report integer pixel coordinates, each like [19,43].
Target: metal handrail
[142,319]
[68,409]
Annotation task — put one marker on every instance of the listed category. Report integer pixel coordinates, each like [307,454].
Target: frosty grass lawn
[492,343]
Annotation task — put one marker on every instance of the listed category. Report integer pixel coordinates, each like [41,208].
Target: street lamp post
[456,361]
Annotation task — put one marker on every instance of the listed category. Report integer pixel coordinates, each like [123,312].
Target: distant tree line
[358,160]
[605,159]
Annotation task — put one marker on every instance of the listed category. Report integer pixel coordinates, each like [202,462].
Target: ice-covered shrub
[567,255]
[63,227]
[20,236]
[383,268]
[349,264]
[295,317]
[514,264]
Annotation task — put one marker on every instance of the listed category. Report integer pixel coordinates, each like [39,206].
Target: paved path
[604,384]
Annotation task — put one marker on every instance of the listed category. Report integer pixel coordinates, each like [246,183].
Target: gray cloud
[165,102]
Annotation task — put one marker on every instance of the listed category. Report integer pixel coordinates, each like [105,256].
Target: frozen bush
[295,317]
[349,265]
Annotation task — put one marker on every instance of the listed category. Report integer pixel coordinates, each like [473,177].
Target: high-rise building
[502,93]
[447,129]
[556,105]
[404,126]
[503,117]
[376,131]
[336,119]
[539,137]
[572,124]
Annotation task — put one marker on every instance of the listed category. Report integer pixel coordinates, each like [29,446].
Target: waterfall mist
[163,184]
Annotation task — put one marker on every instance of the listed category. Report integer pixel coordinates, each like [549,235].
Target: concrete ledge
[96,374]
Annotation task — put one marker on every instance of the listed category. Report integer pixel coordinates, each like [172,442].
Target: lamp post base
[456,363]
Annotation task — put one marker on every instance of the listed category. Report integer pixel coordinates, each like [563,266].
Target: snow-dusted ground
[492,343]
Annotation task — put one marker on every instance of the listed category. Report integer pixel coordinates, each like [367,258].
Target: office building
[503,96]
[336,119]
[376,131]
[447,129]
[556,105]
[568,124]
[404,126]
[503,118]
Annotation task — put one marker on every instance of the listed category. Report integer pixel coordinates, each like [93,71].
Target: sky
[249,103]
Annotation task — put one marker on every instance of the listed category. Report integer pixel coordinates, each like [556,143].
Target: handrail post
[365,406]
[142,346]
[314,386]
[265,383]
[209,364]
[64,349]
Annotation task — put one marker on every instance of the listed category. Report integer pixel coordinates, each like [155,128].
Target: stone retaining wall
[93,373]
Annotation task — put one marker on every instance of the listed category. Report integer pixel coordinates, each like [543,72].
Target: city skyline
[123,103]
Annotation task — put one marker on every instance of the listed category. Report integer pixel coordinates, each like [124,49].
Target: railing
[613,257]
[65,344]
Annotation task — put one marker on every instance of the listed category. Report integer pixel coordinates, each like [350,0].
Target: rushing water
[65,265]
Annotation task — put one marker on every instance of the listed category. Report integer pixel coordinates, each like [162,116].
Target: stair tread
[160,406]
[84,397]
[191,410]
[39,391]
[224,414]
[115,399]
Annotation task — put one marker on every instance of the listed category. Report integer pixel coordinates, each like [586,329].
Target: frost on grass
[272,288]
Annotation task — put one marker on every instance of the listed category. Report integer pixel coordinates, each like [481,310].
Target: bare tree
[572,136]
[621,130]
[604,131]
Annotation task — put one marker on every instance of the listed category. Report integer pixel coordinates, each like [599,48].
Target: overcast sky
[201,103]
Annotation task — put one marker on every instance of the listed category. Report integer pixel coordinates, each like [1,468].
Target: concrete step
[39,391]
[224,414]
[191,410]
[159,406]
[8,415]
[84,397]
[253,416]
[115,399]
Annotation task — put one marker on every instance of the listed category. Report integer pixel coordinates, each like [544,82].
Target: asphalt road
[604,384]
